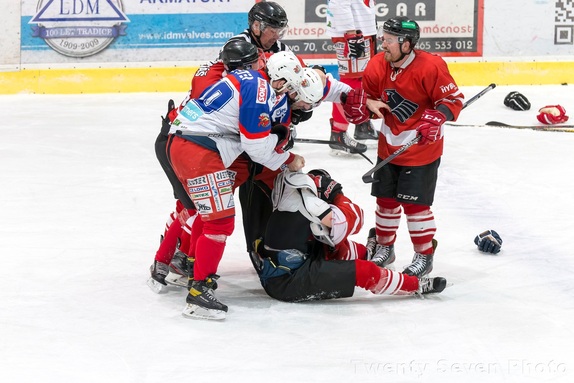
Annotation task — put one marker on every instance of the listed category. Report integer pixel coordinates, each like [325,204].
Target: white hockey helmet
[311,87]
[285,66]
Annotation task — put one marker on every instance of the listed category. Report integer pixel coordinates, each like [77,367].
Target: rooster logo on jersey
[264,120]
[400,107]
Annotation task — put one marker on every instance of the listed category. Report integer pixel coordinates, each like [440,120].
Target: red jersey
[422,82]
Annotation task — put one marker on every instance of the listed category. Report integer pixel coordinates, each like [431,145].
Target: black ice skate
[365,131]
[431,285]
[348,144]
[421,264]
[158,272]
[380,255]
[181,264]
[202,303]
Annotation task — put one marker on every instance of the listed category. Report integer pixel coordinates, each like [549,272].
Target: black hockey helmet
[238,53]
[269,13]
[403,27]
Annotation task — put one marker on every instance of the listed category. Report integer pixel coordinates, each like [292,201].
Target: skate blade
[196,312]
[174,279]
[155,286]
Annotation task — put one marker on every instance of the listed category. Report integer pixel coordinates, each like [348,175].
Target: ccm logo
[261,91]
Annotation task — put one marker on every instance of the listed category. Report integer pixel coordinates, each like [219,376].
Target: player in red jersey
[414,94]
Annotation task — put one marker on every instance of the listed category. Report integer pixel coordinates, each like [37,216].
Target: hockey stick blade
[544,128]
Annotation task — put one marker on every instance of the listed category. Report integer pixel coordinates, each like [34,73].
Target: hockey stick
[546,128]
[368,176]
[302,140]
[313,141]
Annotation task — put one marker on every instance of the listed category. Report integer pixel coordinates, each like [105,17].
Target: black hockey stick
[314,141]
[546,128]
[368,176]
[302,140]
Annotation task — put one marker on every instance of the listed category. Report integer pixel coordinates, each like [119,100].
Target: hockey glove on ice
[488,242]
[430,128]
[355,46]
[552,114]
[355,106]
[517,101]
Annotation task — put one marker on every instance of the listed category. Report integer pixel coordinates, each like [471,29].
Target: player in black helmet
[405,29]
[267,24]
[239,54]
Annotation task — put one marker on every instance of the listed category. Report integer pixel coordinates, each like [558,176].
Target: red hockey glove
[355,46]
[430,127]
[355,106]
[283,133]
[552,114]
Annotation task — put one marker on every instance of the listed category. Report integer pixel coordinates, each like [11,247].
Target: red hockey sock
[379,280]
[210,246]
[167,247]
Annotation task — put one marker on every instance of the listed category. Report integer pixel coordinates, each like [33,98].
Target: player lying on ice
[306,254]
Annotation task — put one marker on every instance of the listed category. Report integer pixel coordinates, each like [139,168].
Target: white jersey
[333,89]
[346,15]
[239,108]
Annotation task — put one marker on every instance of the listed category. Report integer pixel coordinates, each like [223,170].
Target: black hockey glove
[165,122]
[355,45]
[327,188]
[488,242]
[283,133]
[517,101]
[300,115]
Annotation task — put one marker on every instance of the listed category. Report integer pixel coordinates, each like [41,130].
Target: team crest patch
[264,120]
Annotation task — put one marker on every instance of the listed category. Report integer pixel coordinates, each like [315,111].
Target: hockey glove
[355,46]
[300,115]
[430,128]
[517,101]
[355,106]
[552,114]
[283,134]
[327,188]
[488,242]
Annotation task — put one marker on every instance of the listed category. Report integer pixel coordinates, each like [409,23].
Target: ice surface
[84,202]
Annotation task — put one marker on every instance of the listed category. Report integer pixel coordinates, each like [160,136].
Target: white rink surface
[84,202]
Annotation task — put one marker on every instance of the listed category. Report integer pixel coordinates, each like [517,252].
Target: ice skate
[431,285]
[380,255]
[348,144]
[202,303]
[159,272]
[181,264]
[365,131]
[421,264]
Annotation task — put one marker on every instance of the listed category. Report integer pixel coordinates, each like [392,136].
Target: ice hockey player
[182,226]
[306,254]
[206,145]
[414,94]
